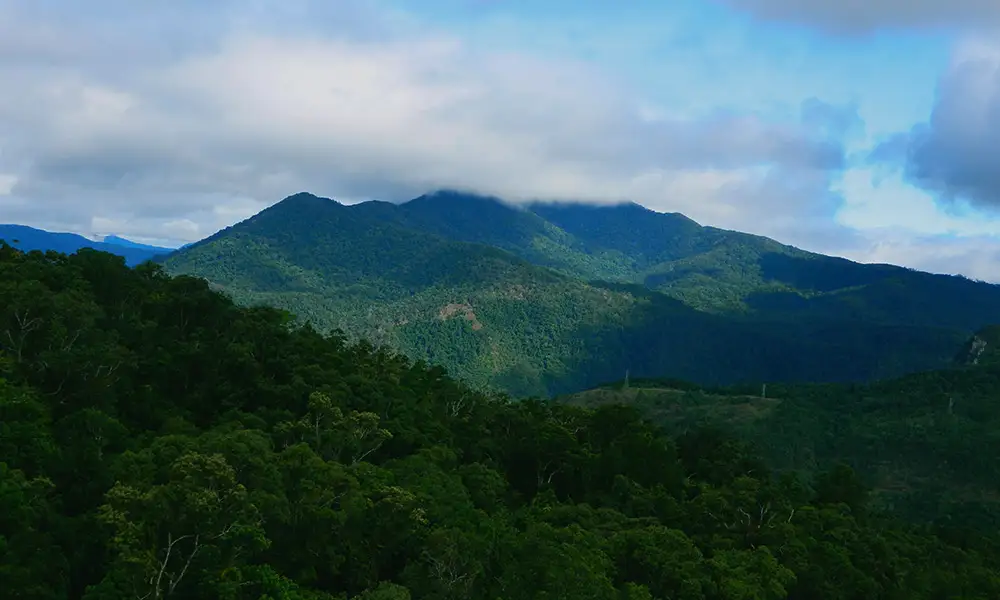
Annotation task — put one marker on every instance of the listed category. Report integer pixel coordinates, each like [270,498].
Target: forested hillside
[705,267]
[927,443]
[508,297]
[157,441]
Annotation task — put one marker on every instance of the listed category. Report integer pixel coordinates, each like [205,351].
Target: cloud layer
[170,121]
[178,134]
[954,155]
[860,17]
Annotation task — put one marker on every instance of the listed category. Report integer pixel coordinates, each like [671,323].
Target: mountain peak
[466,209]
[300,205]
[305,198]
[456,198]
[626,210]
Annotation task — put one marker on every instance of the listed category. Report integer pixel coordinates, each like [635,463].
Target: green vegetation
[926,443]
[158,441]
[508,298]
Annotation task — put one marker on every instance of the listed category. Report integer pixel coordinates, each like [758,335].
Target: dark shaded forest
[159,441]
[925,444]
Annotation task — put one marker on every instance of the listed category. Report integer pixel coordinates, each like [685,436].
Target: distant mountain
[120,241]
[553,298]
[29,238]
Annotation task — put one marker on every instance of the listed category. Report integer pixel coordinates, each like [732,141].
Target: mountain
[926,442]
[158,441]
[510,297]
[518,230]
[28,238]
[707,268]
[120,241]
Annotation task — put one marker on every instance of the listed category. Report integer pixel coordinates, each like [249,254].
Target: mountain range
[27,238]
[157,440]
[547,298]
[890,370]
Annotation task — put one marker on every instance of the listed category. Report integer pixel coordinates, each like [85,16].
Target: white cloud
[7,182]
[977,257]
[168,128]
[875,199]
[899,224]
[211,128]
[953,155]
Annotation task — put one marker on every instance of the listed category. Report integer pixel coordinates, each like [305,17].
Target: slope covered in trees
[705,267]
[157,441]
[503,297]
[926,443]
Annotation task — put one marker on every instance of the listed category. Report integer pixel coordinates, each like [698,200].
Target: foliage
[158,441]
[925,442]
[507,298]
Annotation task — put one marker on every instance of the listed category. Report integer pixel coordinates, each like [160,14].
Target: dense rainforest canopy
[158,441]
[925,444]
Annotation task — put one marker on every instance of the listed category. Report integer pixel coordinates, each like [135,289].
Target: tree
[173,535]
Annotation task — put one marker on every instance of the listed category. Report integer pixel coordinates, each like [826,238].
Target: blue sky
[861,129]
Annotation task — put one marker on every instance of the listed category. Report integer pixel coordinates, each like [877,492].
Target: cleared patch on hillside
[453,310]
[517,292]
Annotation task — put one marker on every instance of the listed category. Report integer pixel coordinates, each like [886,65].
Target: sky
[858,128]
